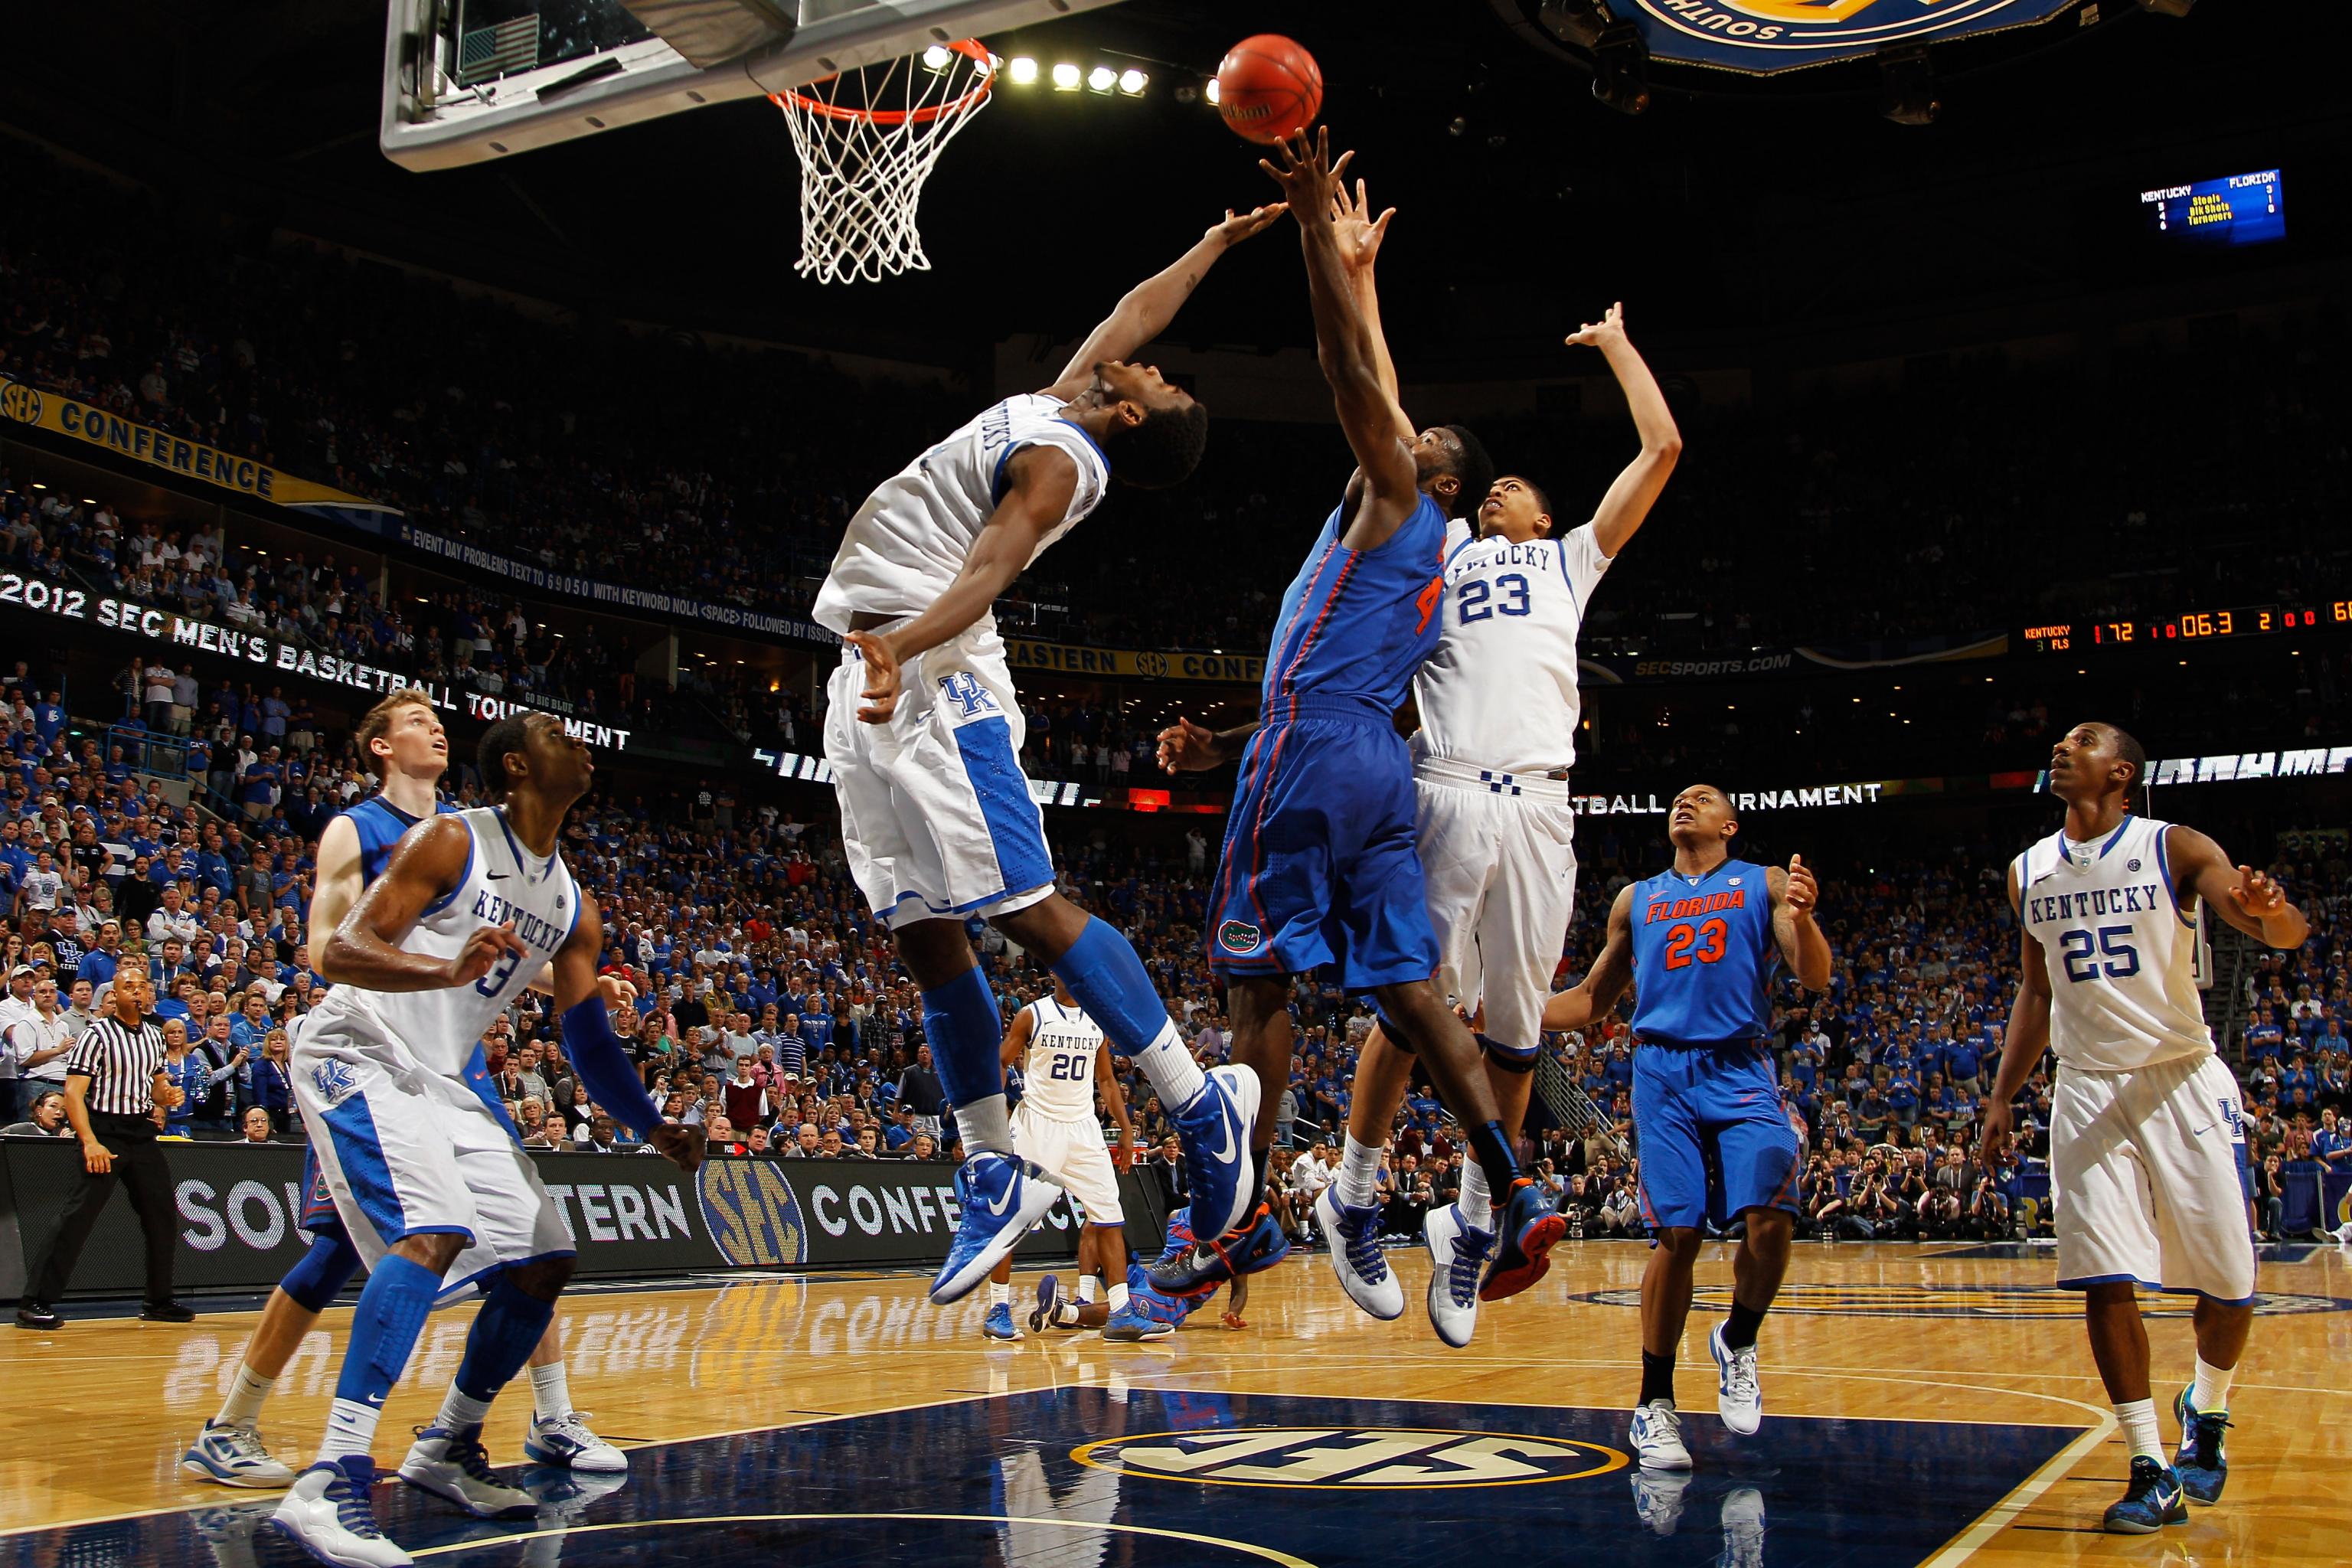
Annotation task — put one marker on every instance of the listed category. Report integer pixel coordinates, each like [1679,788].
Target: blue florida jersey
[380,823]
[1356,624]
[1703,956]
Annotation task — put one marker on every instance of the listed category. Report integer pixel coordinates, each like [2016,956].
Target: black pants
[139,1164]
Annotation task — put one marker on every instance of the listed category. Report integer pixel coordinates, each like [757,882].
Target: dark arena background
[524,353]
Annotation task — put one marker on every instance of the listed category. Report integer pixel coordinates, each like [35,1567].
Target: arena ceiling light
[1022,70]
[1066,77]
[1132,82]
[1102,78]
[1620,69]
[1907,94]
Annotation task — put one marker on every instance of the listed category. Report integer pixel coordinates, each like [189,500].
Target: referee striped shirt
[121,1063]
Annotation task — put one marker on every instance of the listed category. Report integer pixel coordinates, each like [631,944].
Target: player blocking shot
[1059,1051]
[402,738]
[2146,1126]
[436,1193]
[1699,943]
[924,735]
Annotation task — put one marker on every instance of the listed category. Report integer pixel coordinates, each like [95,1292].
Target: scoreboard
[2188,626]
[2238,209]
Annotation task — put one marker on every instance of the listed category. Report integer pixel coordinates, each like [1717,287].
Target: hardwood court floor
[1926,1404]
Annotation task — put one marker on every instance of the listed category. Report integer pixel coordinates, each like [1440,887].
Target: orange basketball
[1268,87]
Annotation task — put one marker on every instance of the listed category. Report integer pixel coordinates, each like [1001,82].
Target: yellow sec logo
[1352,1458]
[20,401]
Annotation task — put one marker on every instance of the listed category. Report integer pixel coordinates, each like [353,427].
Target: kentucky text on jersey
[2091,901]
[492,910]
[1683,909]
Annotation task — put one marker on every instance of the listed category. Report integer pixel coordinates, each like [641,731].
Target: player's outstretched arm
[1606,982]
[428,863]
[1804,948]
[1636,489]
[1343,342]
[597,1054]
[1360,236]
[2027,1038]
[2241,895]
[1144,312]
[1041,483]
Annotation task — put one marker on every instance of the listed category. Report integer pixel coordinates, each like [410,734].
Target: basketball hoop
[867,141]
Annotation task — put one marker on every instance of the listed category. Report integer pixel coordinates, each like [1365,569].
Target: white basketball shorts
[407,1151]
[2144,1165]
[1498,852]
[936,814]
[1074,1154]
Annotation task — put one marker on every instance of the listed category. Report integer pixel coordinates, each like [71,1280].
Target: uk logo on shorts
[963,688]
[335,1081]
[1239,936]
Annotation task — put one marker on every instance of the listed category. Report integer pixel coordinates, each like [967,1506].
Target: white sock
[2138,1422]
[1171,1070]
[2211,1393]
[1359,1172]
[550,1392]
[1478,1204]
[986,1126]
[999,1295]
[461,1412]
[243,1405]
[1116,1300]
[351,1429]
[1065,1314]
[1088,1284]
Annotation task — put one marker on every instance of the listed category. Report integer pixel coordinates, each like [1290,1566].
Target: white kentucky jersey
[1500,692]
[909,539]
[503,883]
[1057,1080]
[2120,944]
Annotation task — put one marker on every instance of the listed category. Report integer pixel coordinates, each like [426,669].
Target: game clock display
[2188,626]
[2238,209]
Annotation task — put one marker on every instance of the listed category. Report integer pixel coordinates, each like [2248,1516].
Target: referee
[116,1094]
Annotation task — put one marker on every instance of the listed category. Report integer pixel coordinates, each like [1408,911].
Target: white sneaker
[455,1466]
[1656,1435]
[234,1456]
[1743,1529]
[567,1441]
[1738,1396]
[1355,1251]
[327,1514]
[1457,1257]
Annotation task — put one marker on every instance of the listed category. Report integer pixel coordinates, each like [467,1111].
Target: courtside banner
[629,1215]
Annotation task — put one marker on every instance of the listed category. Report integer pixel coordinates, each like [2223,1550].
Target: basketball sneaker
[1738,1396]
[998,1196]
[1457,1252]
[327,1513]
[1530,1229]
[1148,1315]
[234,1456]
[453,1464]
[1657,1436]
[1355,1236]
[1214,1129]
[1049,1302]
[1658,1498]
[568,1441]
[1208,1263]
[998,1324]
[1743,1529]
[2201,1466]
[2152,1498]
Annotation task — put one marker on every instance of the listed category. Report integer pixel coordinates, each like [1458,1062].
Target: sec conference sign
[1765,36]
[1352,1458]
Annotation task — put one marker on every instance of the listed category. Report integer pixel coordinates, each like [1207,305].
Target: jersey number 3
[1687,945]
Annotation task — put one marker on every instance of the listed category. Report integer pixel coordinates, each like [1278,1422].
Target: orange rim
[971,49]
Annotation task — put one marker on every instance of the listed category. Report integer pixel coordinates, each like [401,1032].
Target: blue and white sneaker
[568,1441]
[1354,1232]
[1658,1498]
[1147,1316]
[2152,1498]
[1458,1251]
[2201,1466]
[1738,1392]
[1214,1131]
[1042,1316]
[1743,1529]
[1209,1264]
[1656,1437]
[234,1456]
[327,1513]
[999,1324]
[452,1464]
[999,1197]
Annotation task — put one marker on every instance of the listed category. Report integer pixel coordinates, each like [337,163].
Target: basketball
[1267,88]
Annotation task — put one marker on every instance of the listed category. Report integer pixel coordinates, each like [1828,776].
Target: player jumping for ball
[2146,1122]
[1703,938]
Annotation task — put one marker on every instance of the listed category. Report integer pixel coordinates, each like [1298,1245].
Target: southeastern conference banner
[1763,36]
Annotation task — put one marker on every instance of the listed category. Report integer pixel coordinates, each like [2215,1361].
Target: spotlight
[1132,82]
[1022,70]
[1620,69]
[1102,78]
[936,57]
[1066,77]
[1906,85]
[1211,91]
[1576,22]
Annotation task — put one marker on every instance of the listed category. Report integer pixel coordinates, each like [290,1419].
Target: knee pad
[327,1265]
[1510,1058]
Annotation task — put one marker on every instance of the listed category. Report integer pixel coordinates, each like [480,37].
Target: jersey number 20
[1687,945]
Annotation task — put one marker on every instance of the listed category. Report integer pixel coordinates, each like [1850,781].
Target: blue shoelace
[1359,1227]
[2205,1439]
[1470,1249]
[352,1509]
[469,1456]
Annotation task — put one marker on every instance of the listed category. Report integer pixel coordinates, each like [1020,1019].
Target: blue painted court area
[1087,1479]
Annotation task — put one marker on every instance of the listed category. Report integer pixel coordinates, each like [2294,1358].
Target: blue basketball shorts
[1715,1139]
[1319,865]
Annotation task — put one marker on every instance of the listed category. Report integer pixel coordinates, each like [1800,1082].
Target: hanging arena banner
[1762,37]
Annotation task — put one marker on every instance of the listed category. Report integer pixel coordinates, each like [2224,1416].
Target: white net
[867,141]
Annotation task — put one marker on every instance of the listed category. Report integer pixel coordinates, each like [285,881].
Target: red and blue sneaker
[1206,1265]
[1530,1229]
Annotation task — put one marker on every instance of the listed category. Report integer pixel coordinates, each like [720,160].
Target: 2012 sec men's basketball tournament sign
[1766,35]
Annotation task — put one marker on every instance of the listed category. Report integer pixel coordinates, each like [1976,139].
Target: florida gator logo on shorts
[1239,936]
